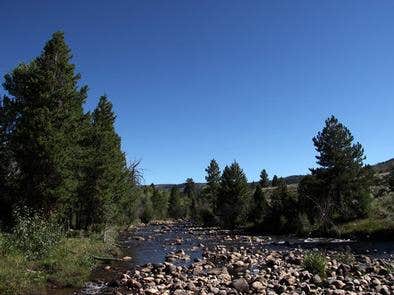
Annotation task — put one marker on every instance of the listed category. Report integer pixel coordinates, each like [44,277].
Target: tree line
[55,157]
[58,160]
[338,190]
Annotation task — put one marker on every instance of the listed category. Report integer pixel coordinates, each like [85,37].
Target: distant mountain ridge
[381,167]
[384,167]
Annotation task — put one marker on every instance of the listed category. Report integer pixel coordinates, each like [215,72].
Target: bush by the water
[316,263]
[37,251]
[34,235]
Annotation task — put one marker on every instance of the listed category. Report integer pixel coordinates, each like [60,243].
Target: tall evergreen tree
[213,183]
[343,179]
[274,181]
[259,206]
[283,210]
[46,107]
[233,196]
[108,179]
[190,188]
[8,197]
[264,181]
[191,193]
[160,203]
[175,207]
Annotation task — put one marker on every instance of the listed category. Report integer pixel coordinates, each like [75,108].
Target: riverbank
[67,264]
[179,258]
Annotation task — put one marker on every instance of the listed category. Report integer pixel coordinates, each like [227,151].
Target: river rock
[241,285]
[257,285]
[317,280]
[242,268]
[338,284]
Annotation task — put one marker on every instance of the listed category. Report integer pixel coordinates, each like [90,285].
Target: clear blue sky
[245,80]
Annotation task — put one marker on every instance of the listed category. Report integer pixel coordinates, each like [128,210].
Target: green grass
[316,263]
[17,277]
[379,223]
[67,264]
[367,225]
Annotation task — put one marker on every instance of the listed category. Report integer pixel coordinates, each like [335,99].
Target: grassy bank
[369,228]
[378,225]
[31,261]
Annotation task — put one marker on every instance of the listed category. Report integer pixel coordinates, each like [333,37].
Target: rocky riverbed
[182,259]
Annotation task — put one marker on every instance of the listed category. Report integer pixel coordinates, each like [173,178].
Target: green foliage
[17,278]
[283,210]
[190,192]
[34,236]
[160,203]
[206,217]
[70,263]
[108,180]
[264,181]
[176,207]
[233,201]
[339,189]
[390,180]
[259,206]
[373,226]
[56,158]
[303,225]
[44,113]
[316,263]
[67,263]
[190,188]
[37,252]
[212,178]
[147,211]
[274,181]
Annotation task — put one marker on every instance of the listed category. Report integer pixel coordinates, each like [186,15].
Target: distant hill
[381,167]
[384,167]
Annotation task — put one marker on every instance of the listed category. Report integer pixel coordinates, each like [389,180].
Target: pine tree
[147,209]
[259,205]
[8,198]
[190,192]
[175,207]
[282,214]
[233,196]
[190,188]
[160,203]
[344,180]
[46,107]
[264,181]
[212,178]
[109,181]
[274,181]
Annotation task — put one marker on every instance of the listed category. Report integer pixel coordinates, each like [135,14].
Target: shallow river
[151,244]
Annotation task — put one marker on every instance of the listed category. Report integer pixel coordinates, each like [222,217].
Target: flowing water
[151,244]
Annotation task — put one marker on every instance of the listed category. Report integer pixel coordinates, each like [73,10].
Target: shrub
[315,262]
[303,225]
[34,236]
[206,217]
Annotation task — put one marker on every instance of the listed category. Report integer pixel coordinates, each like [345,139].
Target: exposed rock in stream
[237,264]
[240,271]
